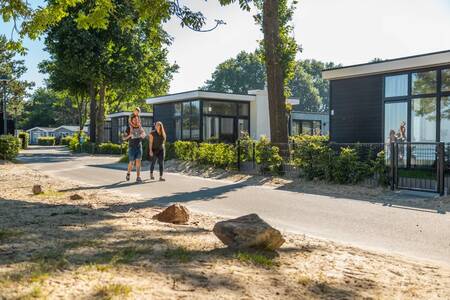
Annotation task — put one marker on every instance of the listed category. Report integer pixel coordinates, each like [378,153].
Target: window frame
[438,94]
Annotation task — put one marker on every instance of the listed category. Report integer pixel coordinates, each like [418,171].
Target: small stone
[76,197]
[248,231]
[37,189]
[175,214]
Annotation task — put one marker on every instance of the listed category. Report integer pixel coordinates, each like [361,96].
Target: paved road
[408,232]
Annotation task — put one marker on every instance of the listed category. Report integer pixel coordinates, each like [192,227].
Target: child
[135,114]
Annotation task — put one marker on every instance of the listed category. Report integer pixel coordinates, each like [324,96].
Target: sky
[344,31]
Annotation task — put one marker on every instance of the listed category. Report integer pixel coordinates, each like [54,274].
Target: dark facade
[411,105]
[356,110]
[203,119]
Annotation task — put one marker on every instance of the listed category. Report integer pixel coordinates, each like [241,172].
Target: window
[396,86]
[307,127]
[243,109]
[445,79]
[178,128]
[177,110]
[423,83]
[210,127]
[395,119]
[188,125]
[423,120]
[195,120]
[220,108]
[227,129]
[445,119]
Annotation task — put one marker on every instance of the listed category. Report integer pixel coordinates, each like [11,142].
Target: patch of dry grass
[113,291]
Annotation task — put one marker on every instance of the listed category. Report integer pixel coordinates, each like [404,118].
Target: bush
[66,140]
[219,155]
[268,156]
[380,169]
[347,168]
[185,150]
[24,139]
[170,151]
[46,141]
[9,147]
[110,148]
[313,156]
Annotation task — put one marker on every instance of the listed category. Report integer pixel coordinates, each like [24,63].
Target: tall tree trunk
[93,112]
[275,79]
[101,114]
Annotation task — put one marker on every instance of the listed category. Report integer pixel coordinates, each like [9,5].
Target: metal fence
[413,166]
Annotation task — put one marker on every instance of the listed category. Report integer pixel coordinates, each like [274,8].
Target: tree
[16,89]
[114,66]
[48,108]
[238,75]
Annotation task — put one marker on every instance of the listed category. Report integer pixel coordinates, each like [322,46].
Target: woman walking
[157,139]
[135,134]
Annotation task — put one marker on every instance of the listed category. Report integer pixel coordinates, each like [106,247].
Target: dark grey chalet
[370,101]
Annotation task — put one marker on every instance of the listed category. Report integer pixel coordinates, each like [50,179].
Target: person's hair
[163,132]
[138,109]
[132,118]
[392,132]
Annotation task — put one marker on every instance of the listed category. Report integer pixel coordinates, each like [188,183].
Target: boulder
[176,214]
[76,197]
[37,189]
[248,231]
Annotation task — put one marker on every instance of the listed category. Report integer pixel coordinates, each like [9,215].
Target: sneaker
[161,179]
[152,177]
[128,177]
[138,180]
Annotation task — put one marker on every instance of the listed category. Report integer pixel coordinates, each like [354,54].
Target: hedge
[66,140]
[9,147]
[46,141]
[24,139]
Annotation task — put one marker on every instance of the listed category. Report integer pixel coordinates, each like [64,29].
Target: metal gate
[418,166]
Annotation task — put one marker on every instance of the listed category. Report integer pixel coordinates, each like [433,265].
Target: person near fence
[157,139]
[401,138]
[135,134]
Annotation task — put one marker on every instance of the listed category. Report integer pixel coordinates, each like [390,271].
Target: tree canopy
[246,72]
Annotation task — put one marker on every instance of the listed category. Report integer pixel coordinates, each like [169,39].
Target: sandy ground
[108,246]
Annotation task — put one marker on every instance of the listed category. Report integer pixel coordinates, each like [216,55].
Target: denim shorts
[135,153]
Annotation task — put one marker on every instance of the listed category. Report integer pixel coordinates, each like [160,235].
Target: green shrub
[24,139]
[66,140]
[186,150]
[246,145]
[313,156]
[170,151]
[46,141]
[380,169]
[9,147]
[268,157]
[347,168]
[110,148]
[219,155]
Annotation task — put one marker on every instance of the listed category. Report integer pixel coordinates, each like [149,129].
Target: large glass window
[178,128]
[445,119]
[177,110]
[396,86]
[186,121]
[423,120]
[195,120]
[307,127]
[220,108]
[445,79]
[423,83]
[210,127]
[395,119]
